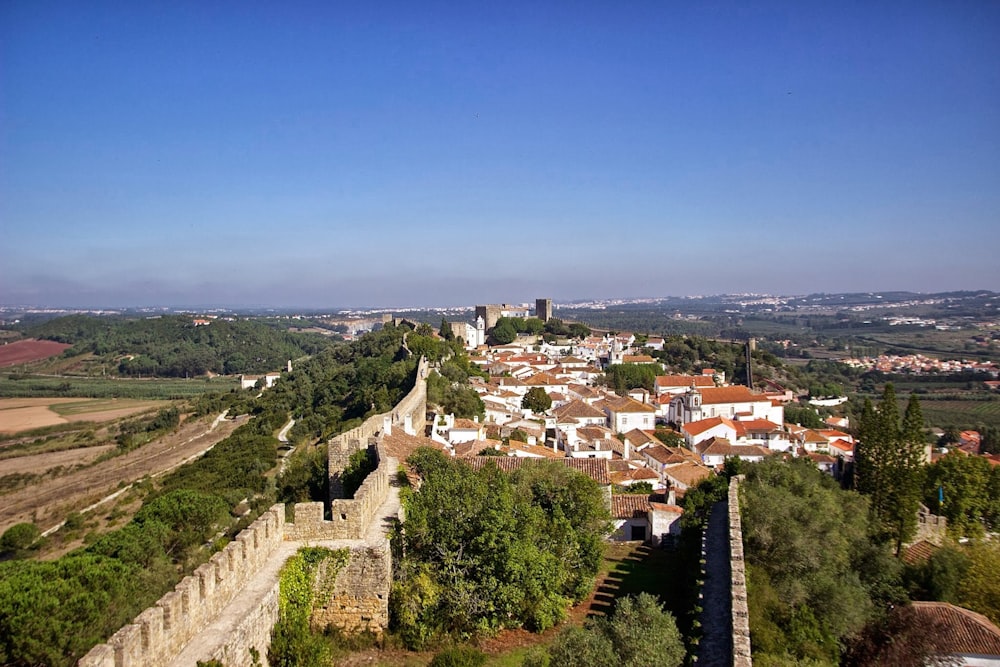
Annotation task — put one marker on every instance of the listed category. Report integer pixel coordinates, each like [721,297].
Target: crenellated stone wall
[360,595]
[741,611]
[412,408]
[160,632]
[349,518]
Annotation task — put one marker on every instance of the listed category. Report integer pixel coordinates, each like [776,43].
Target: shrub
[19,537]
[459,656]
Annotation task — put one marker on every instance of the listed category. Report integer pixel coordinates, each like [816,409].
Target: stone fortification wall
[160,632]
[349,518]
[741,611]
[254,630]
[357,599]
[412,408]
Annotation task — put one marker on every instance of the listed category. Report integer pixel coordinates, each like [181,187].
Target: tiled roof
[629,506]
[596,469]
[624,404]
[919,552]
[733,394]
[633,475]
[401,445]
[702,425]
[688,474]
[684,381]
[964,631]
[578,410]
[639,437]
[758,426]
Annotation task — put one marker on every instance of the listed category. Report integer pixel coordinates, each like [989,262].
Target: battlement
[158,633]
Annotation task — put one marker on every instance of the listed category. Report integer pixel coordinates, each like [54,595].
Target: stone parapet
[160,632]
[741,611]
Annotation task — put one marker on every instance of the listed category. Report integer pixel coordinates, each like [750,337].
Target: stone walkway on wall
[219,632]
[716,647]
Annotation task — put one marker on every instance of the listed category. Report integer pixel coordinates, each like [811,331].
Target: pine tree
[908,473]
[889,465]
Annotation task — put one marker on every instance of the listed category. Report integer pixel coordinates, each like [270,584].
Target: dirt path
[47,503]
[39,463]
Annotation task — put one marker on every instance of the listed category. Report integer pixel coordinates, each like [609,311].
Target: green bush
[19,537]
[459,656]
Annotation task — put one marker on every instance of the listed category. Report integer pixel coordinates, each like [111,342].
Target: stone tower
[543,309]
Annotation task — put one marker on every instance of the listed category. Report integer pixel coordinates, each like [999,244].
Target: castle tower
[543,309]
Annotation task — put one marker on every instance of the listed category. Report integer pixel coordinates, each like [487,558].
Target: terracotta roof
[664,507]
[596,469]
[919,552]
[638,359]
[684,381]
[466,424]
[401,445]
[537,451]
[629,506]
[659,453]
[842,445]
[624,404]
[542,379]
[688,474]
[633,475]
[965,631]
[639,437]
[733,394]
[758,425]
[578,410]
[702,425]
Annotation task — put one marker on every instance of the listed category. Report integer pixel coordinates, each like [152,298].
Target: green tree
[980,587]
[963,482]
[484,550]
[814,577]
[19,537]
[889,461]
[638,634]
[504,332]
[536,400]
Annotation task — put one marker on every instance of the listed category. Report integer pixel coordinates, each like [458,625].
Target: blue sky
[392,154]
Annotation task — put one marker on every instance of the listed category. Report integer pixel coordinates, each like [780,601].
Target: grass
[90,406]
[27,386]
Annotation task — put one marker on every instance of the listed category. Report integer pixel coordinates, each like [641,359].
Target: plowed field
[26,351]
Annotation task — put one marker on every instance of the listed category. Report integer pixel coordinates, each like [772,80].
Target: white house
[731,402]
[625,413]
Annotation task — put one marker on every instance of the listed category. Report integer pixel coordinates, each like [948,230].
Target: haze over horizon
[313,155]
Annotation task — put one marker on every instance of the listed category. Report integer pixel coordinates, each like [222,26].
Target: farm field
[13,386]
[24,414]
[26,351]
[47,502]
[963,414]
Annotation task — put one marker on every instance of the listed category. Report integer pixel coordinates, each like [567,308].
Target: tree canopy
[485,550]
[889,465]
[814,576]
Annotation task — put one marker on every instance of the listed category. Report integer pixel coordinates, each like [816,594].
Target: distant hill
[179,345]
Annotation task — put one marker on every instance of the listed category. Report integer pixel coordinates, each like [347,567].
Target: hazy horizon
[282,156]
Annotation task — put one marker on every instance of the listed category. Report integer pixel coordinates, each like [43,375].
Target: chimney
[627,448]
[671,497]
[387,425]
[408,425]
